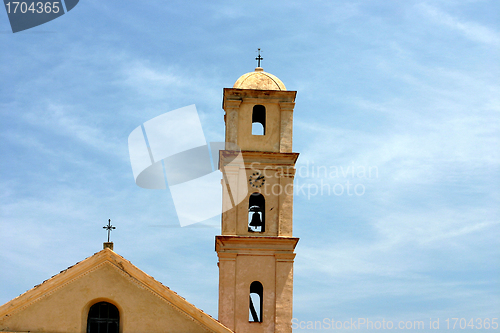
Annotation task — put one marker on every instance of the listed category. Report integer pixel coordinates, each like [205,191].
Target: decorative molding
[287,106]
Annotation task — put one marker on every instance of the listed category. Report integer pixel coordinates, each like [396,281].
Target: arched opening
[256,213]
[259,120]
[103,317]
[256,293]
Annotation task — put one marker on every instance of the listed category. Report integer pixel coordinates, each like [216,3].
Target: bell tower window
[256,213]
[103,318]
[259,120]
[255,311]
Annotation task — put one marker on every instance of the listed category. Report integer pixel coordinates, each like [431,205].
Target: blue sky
[409,89]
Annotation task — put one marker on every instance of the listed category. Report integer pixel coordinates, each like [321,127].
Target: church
[106,293]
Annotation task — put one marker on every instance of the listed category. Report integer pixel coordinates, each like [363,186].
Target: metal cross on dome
[259,58]
[109,227]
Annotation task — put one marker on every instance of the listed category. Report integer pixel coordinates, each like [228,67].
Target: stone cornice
[260,245]
[234,94]
[263,157]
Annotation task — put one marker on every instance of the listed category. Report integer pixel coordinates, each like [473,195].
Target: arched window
[256,213]
[256,293]
[259,120]
[103,318]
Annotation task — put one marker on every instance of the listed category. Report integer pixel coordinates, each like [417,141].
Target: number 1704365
[33,7]
[472,323]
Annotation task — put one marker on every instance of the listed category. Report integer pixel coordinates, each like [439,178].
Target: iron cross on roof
[259,58]
[109,227]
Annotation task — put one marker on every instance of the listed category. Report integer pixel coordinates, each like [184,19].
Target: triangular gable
[110,277]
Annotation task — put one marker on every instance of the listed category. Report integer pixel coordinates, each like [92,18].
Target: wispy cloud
[168,83]
[471,30]
[73,123]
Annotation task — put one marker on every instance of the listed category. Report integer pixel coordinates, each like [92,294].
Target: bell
[256,222]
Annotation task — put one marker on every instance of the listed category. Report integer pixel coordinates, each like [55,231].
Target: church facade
[107,293]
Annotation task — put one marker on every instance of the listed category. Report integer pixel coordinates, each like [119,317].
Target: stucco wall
[66,308]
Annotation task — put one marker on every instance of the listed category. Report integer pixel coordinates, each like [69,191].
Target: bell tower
[256,248]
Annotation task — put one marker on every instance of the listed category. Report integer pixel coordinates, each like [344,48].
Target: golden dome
[259,80]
